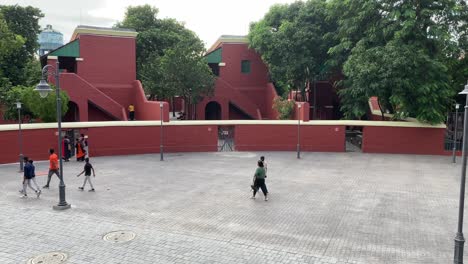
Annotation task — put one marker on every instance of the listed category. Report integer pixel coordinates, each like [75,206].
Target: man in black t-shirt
[87,171]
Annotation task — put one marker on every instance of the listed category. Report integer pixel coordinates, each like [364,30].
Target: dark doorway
[73,113]
[214,68]
[213,111]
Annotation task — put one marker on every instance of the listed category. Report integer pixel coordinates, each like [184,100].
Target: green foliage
[169,56]
[410,54]
[33,104]
[180,72]
[10,44]
[284,107]
[22,22]
[293,41]
[404,52]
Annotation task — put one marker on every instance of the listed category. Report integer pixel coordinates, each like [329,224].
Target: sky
[209,19]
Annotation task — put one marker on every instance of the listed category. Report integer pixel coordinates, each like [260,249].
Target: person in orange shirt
[53,167]
[80,153]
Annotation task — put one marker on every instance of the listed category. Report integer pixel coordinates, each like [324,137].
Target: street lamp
[161,147]
[459,239]
[20,138]
[44,89]
[457,106]
[299,131]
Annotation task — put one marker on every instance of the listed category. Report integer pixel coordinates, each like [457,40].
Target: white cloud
[209,19]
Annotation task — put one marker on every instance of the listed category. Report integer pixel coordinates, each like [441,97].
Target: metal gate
[454,138]
[226,138]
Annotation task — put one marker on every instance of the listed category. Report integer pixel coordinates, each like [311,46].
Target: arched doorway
[213,111]
[73,113]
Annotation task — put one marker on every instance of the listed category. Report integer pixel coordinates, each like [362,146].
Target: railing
[453,137]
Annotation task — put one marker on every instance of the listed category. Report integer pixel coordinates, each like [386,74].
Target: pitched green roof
[71,49]
[215,56]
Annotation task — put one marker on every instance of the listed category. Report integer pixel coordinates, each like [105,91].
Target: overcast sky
[209,19]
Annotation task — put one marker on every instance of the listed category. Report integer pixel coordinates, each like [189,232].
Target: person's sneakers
[21,191]
[38,193]
[45,187]
[24,196]
[266,199]
[253,197]
[80,188]
[92,190]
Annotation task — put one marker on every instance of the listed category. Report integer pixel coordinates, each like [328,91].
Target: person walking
[131,112]
[87,171]
[80,155]
[53,167]
[84,143]
[259,181]
[33,179]
[66,146]
[28,175]
[25,161]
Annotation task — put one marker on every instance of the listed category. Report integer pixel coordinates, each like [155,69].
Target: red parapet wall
[403,140]
[36,144]
[284,138]
[109,141]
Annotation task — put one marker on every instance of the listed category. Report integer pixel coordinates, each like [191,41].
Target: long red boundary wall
[139,137]
[403,140]
[108,141]
[284,138]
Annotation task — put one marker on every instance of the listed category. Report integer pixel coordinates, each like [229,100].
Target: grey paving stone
[342,208]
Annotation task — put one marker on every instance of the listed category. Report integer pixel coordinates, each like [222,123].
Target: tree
[21,21]
[10,44]
[169,56]
[293,41]
[34,105]
[398,51]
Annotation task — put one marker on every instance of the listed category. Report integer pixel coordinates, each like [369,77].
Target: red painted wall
[107,59]
[36,144]
[109,64]
[232,55]
[108,141]
[403,140]
[81,91]
[284,138]
[148,110]
[250,92]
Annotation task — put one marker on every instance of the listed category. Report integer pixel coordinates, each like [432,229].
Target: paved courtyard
[195,208]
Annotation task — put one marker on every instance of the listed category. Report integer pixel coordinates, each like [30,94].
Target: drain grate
[119,236]
[49,258]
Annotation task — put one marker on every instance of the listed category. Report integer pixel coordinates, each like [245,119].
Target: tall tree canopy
[169,56]
[293,41]
[410,54]
[20,69]
[24,22]
[399,51]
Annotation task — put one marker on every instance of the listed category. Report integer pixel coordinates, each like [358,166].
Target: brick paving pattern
[343,208]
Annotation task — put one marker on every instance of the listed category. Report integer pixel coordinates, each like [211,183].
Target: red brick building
[98,71]
[243,89]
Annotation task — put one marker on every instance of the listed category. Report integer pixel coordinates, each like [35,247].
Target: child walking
[28,176]
[87,171]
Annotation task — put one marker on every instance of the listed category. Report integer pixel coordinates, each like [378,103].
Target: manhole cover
[119,236]
[49,258]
